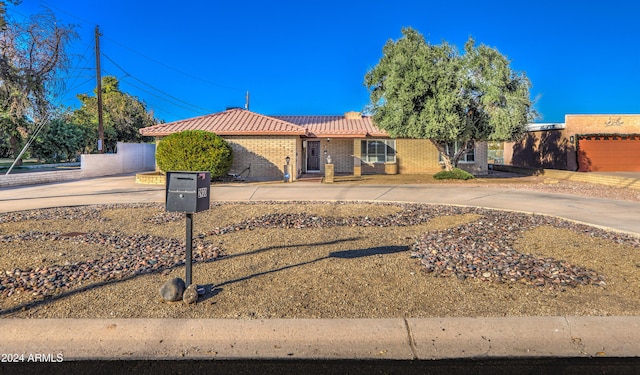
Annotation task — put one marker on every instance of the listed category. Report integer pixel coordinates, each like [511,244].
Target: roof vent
[353,115]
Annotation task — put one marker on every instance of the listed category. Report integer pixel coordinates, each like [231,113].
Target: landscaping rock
[172,290]
[470,251]
[190,294]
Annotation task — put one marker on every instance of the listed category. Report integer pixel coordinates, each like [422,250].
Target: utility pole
[99,93]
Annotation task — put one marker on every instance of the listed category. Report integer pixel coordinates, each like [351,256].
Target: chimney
[353,115]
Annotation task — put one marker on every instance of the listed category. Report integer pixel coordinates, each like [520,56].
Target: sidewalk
[373,339]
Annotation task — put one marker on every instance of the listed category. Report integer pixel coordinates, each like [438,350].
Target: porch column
[357,162]
[328,174]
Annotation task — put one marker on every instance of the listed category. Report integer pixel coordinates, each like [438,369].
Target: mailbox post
[188,192]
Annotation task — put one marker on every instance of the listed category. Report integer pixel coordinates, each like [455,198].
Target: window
[495,152]
[452,148]
[378,150]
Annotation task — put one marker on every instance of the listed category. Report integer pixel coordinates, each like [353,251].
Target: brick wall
[341,151]
[480,166]
[357,161]
[374,168]
[264,155]
[34,178]
[416,156]
[151,178]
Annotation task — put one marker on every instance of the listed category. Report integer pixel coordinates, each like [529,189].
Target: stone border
[151,178]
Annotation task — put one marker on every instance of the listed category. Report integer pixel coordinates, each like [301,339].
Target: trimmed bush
[194,150]
[455,174]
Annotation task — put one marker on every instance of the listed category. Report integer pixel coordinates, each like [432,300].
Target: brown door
[602,155]
[313,156]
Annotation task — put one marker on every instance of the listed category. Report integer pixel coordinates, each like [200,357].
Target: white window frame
[389,157]
[467,158]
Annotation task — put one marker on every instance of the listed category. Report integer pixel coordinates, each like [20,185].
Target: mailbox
[188,191]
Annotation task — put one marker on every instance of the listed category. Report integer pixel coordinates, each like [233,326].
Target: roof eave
[332,135]
[265,133]
[164,134]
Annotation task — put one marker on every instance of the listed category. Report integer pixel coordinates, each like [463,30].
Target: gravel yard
[318,260]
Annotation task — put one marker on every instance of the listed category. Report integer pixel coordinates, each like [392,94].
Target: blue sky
[296,58]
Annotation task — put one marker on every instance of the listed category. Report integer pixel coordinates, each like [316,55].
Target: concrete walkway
[408,339]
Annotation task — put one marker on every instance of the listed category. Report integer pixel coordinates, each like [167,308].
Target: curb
[319,339]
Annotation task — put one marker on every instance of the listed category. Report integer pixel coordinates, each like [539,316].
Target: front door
[313,156]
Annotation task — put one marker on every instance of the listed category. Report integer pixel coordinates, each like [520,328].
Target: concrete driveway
[618,215]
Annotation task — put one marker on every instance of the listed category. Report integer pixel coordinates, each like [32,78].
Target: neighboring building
[585,143]
[543,146]
[356,146]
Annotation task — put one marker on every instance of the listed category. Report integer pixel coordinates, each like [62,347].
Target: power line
[12,10]
[85,67]
[81,84]
[145,56]
[77,77]
[166,100]
[124,80]
[127,74]
[174,68]
[64,11]
[157,108]
[74,77]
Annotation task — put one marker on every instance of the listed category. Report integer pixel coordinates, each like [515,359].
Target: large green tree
[58,141]
[32,54]
[421,90]
[123,116]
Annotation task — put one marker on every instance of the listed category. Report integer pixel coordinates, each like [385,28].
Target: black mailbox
[188,191]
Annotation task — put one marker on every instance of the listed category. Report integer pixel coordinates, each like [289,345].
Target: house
[585,143]
[261,145]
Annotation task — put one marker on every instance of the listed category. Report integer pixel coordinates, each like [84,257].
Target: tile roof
[230,122]
[336,126]
[243,122]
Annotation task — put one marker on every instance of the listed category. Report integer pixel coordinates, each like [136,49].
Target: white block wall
[130,157]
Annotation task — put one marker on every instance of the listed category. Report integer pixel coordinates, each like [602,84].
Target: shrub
[194,150]
[455,174]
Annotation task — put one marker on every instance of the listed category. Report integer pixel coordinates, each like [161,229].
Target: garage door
[609,153]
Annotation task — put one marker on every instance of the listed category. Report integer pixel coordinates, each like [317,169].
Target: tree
[420,90]
[3,11]
[123,116]
[59,141]
[12,133]
[33,52]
